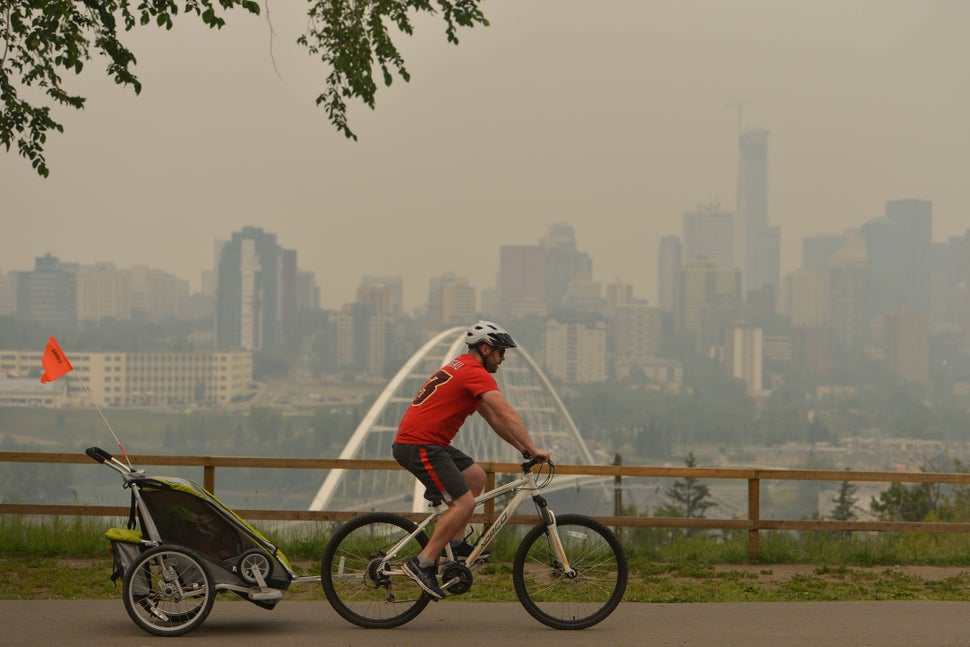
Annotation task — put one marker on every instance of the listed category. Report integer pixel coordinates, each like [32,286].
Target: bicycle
[569,572]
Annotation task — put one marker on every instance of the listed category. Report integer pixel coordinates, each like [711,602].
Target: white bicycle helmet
[488,333]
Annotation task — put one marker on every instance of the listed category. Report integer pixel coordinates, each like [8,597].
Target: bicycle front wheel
[356,585]
[558,599]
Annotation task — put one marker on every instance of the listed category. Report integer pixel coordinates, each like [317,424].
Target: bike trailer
[176,511]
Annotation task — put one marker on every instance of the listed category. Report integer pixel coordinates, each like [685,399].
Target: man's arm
[508,424]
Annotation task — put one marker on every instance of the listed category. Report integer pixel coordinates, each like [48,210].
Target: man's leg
[475,477]
[451,524]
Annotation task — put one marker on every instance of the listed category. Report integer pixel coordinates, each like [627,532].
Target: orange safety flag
[55,362]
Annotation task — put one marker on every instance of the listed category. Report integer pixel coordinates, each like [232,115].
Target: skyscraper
[522,280]
[806,297]
[451,301]
[908,345]
[8,293]
[709,233]
[395,284]
[758,244]
[914,221]
[817,250]
[564,263]
[250,292]
[668,264]
[102,291]
[708,302]
[575,352]
[899,249]
[745,356]
[849,294]
[48,295]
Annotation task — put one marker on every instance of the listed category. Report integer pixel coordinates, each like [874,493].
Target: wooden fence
[753,523]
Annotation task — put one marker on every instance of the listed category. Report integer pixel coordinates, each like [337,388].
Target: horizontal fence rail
[753,524]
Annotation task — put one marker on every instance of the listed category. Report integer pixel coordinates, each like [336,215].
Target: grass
[67,558]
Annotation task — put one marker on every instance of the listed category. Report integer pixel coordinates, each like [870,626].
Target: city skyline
[557,112]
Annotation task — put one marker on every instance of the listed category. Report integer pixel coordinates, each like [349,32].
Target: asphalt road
[501,624]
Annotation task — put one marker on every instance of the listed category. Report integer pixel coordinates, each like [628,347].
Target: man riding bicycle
[423,441]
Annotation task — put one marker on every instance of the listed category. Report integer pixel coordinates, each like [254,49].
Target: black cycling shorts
[438,468]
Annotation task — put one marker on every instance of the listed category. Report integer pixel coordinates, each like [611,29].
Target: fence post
[754,514]
[209,478]
[617,492]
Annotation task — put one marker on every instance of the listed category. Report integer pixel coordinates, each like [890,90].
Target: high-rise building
[575,352]
[810,352]
[522,280]
[709,233]
[761,305]
[708,302]
[805,297]
[618,294]
[766,262]
[48,294]
[745,356]
[369,338]
[103,292]
[636,331]
[156,295]
[668,264]
[758,245]
[210,278]
[289,296]
[535,279]
[817,250]
[907,350]
[948,260]
[8,293]
[585,295]
[395,286]
[914,221]
[564,264]
[250,294]
[342,338]
[379,296]
[308,292]
[899,248]
[849,294]
[451,301]
[491,308]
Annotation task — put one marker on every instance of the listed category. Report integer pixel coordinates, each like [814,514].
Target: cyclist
[423,441]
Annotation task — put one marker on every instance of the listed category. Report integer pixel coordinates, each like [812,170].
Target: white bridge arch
[520,380]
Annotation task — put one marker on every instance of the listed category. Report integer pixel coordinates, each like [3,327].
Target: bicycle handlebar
[533,461]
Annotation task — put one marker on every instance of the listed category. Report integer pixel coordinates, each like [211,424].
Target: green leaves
[351,37]
[41,38]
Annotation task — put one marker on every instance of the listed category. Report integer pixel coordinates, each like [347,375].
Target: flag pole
[106,423]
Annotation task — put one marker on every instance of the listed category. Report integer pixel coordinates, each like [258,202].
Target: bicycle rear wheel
[549,594]
[352,578]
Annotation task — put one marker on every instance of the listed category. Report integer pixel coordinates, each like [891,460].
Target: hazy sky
[609,115]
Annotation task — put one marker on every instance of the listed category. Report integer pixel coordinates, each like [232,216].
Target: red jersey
[446,399]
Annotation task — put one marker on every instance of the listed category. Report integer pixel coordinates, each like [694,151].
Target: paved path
[501,624]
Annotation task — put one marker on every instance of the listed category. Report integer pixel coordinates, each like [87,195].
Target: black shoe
[424,577]
[464,549]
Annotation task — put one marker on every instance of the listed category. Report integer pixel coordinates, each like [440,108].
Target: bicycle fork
[548,517]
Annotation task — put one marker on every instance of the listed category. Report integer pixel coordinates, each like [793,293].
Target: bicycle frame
[524,487]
